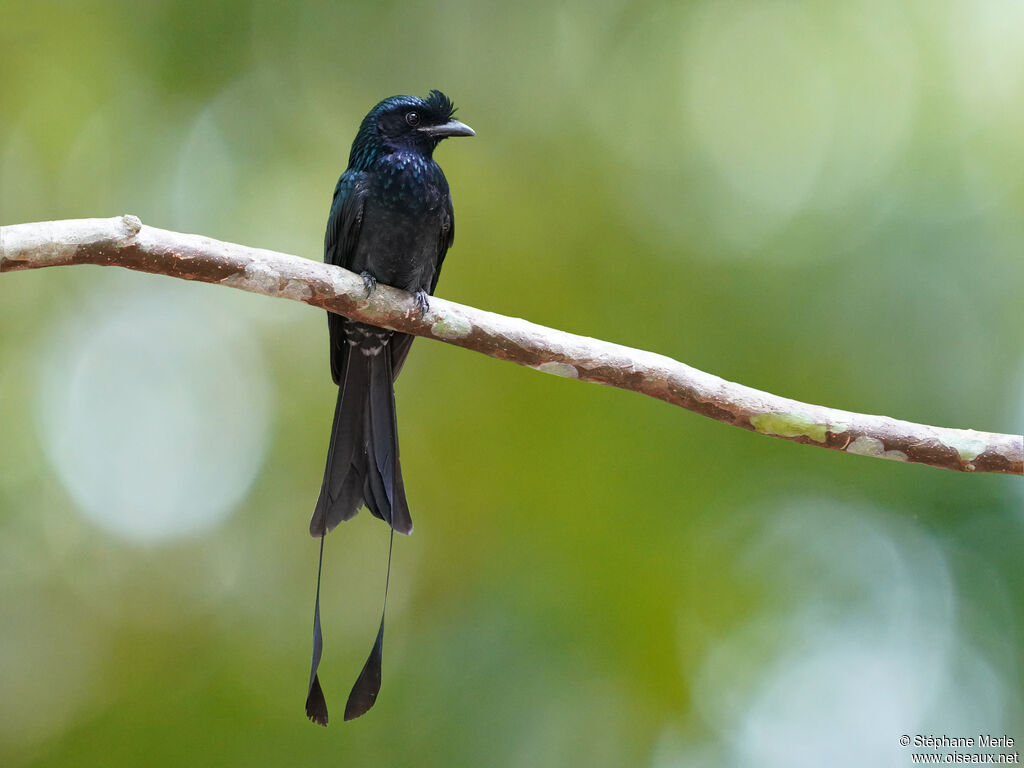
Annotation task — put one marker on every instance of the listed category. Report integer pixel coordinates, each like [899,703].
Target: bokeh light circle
[154,413]
[862,631]
[761,106]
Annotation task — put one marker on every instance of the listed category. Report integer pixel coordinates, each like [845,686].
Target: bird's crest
[440,104]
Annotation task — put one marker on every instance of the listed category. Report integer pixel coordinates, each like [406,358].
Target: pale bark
[125,242]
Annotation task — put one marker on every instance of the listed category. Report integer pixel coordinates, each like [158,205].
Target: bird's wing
[445,240]
[343,227]
[401,343]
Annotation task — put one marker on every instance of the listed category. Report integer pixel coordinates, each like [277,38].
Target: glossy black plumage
[391,220]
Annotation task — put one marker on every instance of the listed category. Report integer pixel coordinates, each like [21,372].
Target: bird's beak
[451,128]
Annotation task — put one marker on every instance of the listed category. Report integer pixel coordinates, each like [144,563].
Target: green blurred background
[818,199]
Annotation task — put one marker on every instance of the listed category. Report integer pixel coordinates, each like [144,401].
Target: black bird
[392,222]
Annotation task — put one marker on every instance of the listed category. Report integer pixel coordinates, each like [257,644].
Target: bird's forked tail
[362,468]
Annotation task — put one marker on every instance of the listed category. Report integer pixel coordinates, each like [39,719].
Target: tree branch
[125,242]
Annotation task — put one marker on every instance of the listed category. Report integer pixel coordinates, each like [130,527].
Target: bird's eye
[412,118]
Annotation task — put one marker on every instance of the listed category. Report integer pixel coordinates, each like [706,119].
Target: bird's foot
[422,299]
[369,282]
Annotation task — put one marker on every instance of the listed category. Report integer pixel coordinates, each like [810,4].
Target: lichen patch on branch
[558,369]
[968,446]
[789,425]
[451,326]
[256,277]
[872,446]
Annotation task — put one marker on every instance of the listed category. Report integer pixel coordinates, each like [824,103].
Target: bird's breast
[402,221]
[410,182]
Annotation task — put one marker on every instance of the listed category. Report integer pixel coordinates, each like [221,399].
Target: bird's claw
[369,282]
[422,299]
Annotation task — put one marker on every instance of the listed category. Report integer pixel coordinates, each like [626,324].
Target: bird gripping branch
[392,222]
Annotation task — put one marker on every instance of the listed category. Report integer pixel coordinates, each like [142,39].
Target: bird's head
[408,123]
